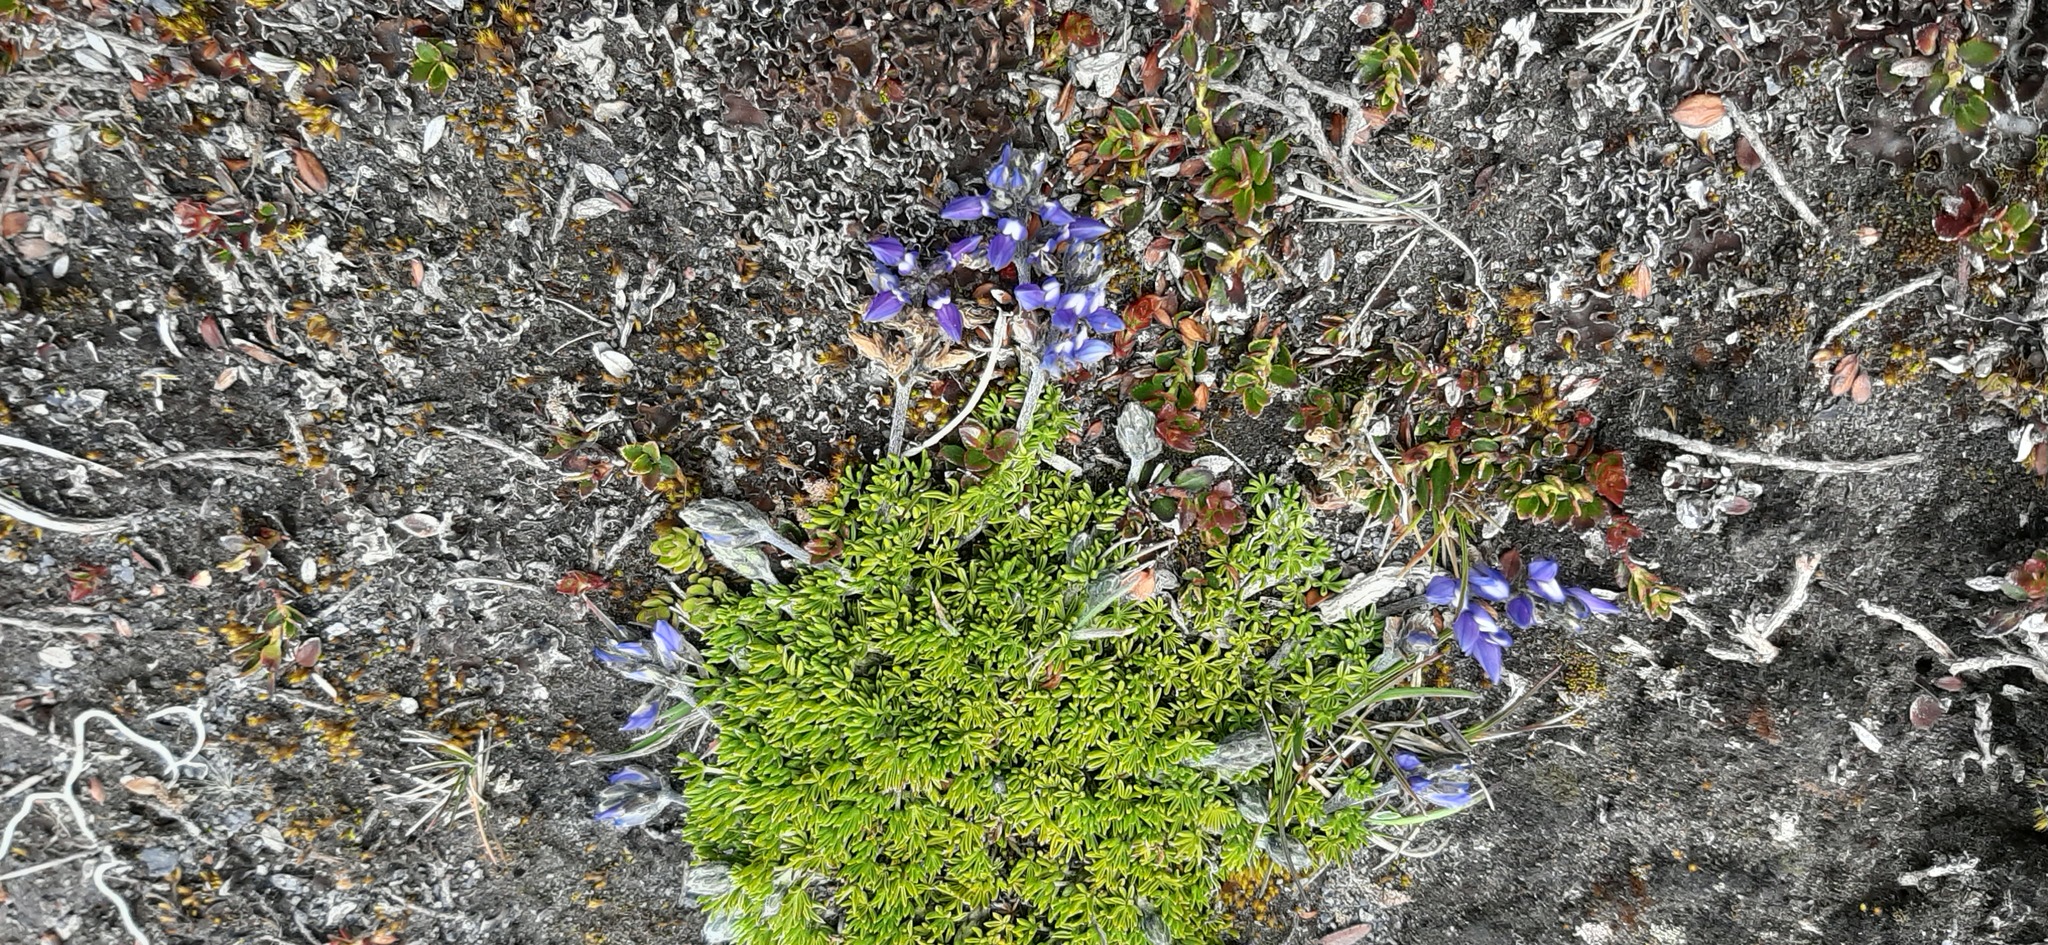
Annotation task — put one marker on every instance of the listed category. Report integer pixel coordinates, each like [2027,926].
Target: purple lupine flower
[1442,590]
[968,207]
[889,297]
[1480,635]
[1543,580]
[959,252]
[1521,611]
[1071,227]
[668,644]
[1002,247]
[642,718]
[1037,295]
[1073,351]
[1489,583]
[1585,603]
[1433,786]
[1471,623]
[901,283]
[632,796]
[945,312]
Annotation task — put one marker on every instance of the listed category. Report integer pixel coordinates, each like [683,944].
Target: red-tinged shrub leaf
[578,582]
[1950,683]
[1620,532]
[1079,29]
[1859,391]
[1609,475]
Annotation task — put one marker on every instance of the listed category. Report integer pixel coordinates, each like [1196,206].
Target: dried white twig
[1763,154]
[1865,310]
[1755,632]
[53,453]
[38,626]
[1914,627]
[499,445]
[1828,467]
[998,339]
[197,457]
[69,526]
[1978,664]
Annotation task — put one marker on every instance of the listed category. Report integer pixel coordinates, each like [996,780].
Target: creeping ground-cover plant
[996,713]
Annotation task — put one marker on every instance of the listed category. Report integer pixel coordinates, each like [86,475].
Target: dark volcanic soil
[351,346]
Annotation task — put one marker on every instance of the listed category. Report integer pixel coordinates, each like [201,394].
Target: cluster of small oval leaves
[976,728]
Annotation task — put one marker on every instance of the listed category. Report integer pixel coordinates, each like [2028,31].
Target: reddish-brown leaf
[1150,75]
[1078,28]
[1063,106]
[1859,392]
[310,172]
[1609,474]
[1191,331]
[578,582]
[209,332]
[1845,373]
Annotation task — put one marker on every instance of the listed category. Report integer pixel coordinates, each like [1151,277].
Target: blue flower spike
[1433,787]
[1477,627]
[1489,583]
[1543,580]
[642,718]
[631,797]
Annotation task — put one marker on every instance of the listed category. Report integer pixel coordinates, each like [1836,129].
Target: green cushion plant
[996,715]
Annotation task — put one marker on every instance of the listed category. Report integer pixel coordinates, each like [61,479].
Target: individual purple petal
[606,656]
[1001,249]
[883,306]
[999,173]
[1066,313]
[1083,229]
[629,774]
[1103,321]
[888,250]
[1055,214]
[1037,295]
[1522,611]
[1489,657]
[1407,761]
[1590,604]
[1442,590]
[667,642]
[1092,350]
[1543,580]
[634,649]
[967,207]
[946,313]
[1466,627]
[641,718]
[1489,583]
[960,252]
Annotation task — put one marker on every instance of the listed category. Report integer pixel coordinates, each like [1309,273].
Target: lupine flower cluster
[1036,234]
[1478,628]
[1440,786]
[662,661]
[633,796]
